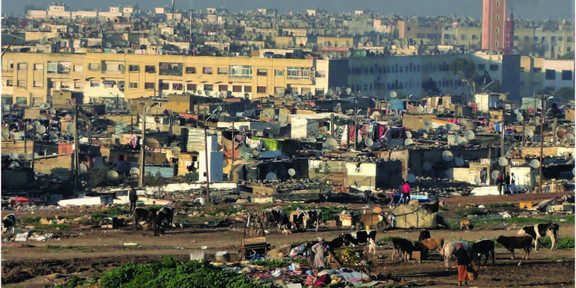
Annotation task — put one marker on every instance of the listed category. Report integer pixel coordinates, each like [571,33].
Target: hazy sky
[533,9]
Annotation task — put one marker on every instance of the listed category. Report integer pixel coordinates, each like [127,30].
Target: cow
[424,234]
[275,217]
[167,216]
[429,244]
[403,247]
[484,247]
[359,238]
[8,222]
[301,219]
[448,251]
[516,242]
[541,231]
[141,214]
[432,207]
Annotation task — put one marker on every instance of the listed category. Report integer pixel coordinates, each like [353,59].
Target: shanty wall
[417,158]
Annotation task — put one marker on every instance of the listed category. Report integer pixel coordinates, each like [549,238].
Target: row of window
[194,87]
[398,69]
[551,75]
[482,67]
[233,71]
[404,85]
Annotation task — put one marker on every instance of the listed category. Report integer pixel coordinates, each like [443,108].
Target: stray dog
[286,231]
[465,223]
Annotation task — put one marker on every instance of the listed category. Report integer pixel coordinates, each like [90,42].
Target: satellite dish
[53,137]
[411,178]
[70,128]
[495,174]
[199,92]
[447,156]
[176,150]
[348,90]
[41,130]
[375,115]
[14,165]
[408,142]
[83,168]
[331,144]
[529,132]
[37,125]
[507,106]
[5,134]
[502,161]
[427,166]
[134,171]
[519,118]
[291,172]
[271,176]
[535,163]
[14,155]
[459,162]
[461,140]
[469,134]
[452,127]
[408,134]
[369,142]
[152,143]
[516,111]
[420,109]
[112,175]
[393,94]
[53,111]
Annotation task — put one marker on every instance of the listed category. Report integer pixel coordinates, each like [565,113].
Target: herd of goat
[527,236]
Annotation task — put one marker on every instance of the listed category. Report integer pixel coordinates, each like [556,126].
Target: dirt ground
[88,253]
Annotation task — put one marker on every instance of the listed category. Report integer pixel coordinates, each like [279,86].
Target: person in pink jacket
[406,192]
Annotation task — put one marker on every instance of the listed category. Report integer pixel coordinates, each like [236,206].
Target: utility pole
[142,144]
[142,158]
[207,164]
[33,142]
[332,125]
[233,144]
[76,147]
[542,117]
[554,128]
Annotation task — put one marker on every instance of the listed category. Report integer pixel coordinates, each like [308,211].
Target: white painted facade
[558,74]
[215,161]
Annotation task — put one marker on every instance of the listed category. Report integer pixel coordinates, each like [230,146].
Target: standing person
[512,184]
[406,193]
[133,197]
[320,249]
[483,176]
[507,182]
[500,183]
[463,262]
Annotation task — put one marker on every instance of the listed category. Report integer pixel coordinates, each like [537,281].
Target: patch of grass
[387,239]
[74,282]
[501,205]
[525,220]
[170,273]
[331,213]
[65,247]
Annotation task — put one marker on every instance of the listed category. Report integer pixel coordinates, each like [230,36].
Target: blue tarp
[396,104]
[269,154]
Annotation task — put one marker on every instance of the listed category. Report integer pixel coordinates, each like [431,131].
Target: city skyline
[471,8]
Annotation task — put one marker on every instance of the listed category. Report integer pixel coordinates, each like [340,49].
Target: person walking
[512,184]
[406,193]
[463,262]
[133,197]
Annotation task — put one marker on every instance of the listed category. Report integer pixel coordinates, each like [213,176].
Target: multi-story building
[538,74]
[33,77]
[470,36]
[427,32]
[410,75]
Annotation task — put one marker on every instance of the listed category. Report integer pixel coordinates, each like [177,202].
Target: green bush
[270,263]
[387,239]
[170,273]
